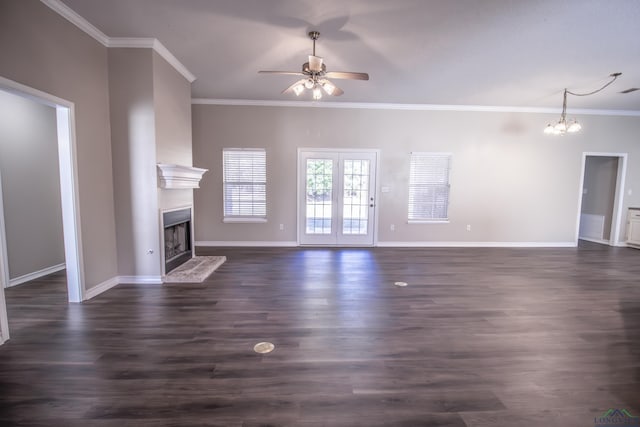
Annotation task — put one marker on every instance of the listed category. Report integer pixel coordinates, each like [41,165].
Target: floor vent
[264,347]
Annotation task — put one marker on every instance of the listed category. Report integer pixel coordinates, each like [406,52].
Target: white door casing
[65,116]
[615,238]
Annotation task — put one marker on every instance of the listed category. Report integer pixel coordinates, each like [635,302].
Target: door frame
[67,158]
[618,202]
[376,189]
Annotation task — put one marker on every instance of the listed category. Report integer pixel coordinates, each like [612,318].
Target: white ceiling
[519,53]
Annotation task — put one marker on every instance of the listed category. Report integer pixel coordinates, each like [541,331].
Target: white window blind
[245,183]
[429,186]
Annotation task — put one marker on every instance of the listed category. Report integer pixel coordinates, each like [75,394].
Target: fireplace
[177,238]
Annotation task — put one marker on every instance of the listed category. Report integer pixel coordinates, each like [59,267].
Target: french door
[337,197]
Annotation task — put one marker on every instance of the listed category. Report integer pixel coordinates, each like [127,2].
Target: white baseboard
[594,240]
[389,244]
[140,280]
[618,244]
[100,288]
[608,243]
[477,244]
[35,275]
[272,244]
[110,283]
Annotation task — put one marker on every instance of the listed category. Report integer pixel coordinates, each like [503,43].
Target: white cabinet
[633,227]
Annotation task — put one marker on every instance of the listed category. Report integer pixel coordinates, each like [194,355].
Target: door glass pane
[319,195]
[355,214]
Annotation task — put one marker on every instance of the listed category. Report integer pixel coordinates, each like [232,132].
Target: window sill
[428,221]
[245,220]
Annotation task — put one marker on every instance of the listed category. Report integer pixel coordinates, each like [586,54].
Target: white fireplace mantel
[177,176]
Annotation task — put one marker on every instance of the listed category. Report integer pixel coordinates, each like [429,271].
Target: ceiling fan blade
[337,91]
[347,75]
[290,88]
[315,63]
[284,73]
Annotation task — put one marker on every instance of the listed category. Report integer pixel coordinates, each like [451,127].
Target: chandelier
[563,125]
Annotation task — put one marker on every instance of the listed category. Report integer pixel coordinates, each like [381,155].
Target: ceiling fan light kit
[563,125]
[316,76]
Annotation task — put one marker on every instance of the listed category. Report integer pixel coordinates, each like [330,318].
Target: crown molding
[151,43]
[168,56]
[131,42]
[410,107]
[77,20]
[120,42]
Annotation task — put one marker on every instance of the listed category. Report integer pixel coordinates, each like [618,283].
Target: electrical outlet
[392,227]
[468,227]
[281,227]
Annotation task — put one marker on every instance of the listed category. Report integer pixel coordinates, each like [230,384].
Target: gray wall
[43,50]
[172,99]
[600,176]
[151,123]
[30,185]
[134,161]
[510,182]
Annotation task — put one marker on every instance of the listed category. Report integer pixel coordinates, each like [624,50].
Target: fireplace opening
[177,238]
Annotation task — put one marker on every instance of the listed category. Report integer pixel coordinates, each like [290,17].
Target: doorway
[337,197]
[65,124]
[601,196]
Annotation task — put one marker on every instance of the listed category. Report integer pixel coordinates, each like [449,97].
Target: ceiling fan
[316,77]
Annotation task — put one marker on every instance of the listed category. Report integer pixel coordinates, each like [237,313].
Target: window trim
[232,219]
[428,221]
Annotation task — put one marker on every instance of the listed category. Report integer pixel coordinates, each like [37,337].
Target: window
[245,184]
[429,187]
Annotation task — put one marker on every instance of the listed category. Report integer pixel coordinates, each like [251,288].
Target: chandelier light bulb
[309,84]
[298,89]
[328,87]
[561,126]
[317,93]
[574,127]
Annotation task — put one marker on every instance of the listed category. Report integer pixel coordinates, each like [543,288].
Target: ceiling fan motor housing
[307,69]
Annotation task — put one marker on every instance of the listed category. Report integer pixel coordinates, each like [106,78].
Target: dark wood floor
[480,337]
